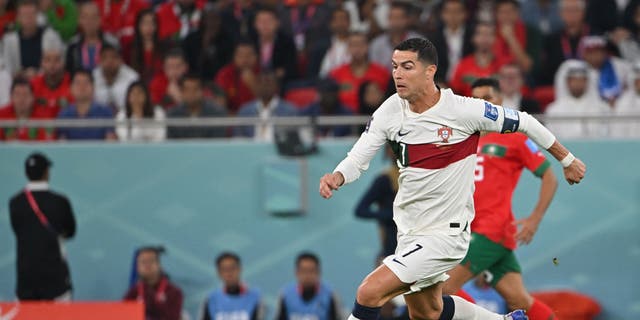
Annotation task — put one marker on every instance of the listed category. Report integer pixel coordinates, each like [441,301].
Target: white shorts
[423,261]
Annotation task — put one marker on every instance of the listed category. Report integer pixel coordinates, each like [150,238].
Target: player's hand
[330,182]
[574,173]
[528,227]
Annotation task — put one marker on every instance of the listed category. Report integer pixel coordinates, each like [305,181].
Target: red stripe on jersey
[433,156]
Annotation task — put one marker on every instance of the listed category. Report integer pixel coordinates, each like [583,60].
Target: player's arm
[357,160]
[529,225]
[484,116]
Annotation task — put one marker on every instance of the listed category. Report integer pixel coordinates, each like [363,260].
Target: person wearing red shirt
[162,298]
[494,231]
[7,15]
[238,79]
[144,51]
[119,16]
[513,36]
[52,88]
[23,107]
[481,63]
[179,17]
[164,87]
[350,76]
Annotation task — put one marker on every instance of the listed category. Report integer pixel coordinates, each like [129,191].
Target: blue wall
[201,198]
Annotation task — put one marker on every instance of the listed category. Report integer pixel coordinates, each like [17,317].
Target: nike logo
[395,260]
[400,133]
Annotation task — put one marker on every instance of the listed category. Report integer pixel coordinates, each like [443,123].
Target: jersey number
[418,247]
[479,173]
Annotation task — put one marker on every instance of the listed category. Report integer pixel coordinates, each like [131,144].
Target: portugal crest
[445,133]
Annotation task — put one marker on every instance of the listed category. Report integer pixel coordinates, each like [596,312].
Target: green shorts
[485,254]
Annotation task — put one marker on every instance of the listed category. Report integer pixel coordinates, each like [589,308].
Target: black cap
[36,165]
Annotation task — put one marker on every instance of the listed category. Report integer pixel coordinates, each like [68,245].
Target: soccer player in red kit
[495,234]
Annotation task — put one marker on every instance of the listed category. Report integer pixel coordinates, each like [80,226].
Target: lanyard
[36,209]
[160,295]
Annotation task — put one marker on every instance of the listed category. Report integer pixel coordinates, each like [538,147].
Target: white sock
[466,310]
[351,317]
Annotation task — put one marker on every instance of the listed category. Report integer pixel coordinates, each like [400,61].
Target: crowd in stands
[159,59]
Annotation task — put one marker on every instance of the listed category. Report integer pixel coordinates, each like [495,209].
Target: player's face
[148,265]
[229,272]
[487,93]
[410,75]
[308,273]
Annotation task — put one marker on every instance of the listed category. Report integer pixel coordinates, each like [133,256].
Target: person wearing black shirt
[39,219]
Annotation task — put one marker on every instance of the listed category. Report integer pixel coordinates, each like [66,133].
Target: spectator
[61,15]
[84,49]
[576,97]
[40,219]
[178,18]
[238,19]
[362,17]
[512,88]
[138,107]
[277,51]
[267,105]
[112,78]
[628,39]
[238,78]
[118,17]
[629,104]
[563,44]
[234,300]
[514,40]
[82,89]
[612,72]
[23,107]
[484,295]
[331,54]
[194,105]
[398,31]
[371,96]
[360,69]
[162,298]
[7,15]
[143,51]
[306,21]
[481,63]
[452,39]
[605,16]
[22,49]
[208,48]
[309,298]
[329,105]
[5,83]
[165,88]
[52,87]
[377,203]
[544,15]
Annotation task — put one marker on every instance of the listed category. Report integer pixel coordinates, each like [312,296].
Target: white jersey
[437,155]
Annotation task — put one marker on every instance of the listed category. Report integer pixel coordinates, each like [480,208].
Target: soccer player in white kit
[435,135]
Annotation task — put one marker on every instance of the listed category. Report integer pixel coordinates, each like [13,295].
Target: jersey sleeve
[532,158]
[480,115]
[371,140]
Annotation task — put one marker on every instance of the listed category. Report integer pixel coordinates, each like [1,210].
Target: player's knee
[519,301]
[425,314]
[368,295]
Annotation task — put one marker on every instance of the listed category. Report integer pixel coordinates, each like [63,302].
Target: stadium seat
[569,305]
[301,97]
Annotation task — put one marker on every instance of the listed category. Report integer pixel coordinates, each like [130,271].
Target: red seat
[302,97]
[569,305]
[544,95]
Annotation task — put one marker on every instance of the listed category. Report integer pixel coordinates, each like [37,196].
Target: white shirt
[114,95]
[588,105]
[337,55]
[455,40]
[627,104]
[264,130]
[5,84]
[438,149]
[136,132]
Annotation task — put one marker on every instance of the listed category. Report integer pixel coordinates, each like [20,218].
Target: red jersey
[350,84]
[162,301]
[468,71]
[237,92]
[170,22]
[6,21]
[501,158]
[24,133]
[54,99]
[119,16]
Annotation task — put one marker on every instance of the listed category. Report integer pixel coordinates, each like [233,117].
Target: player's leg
[375,290]
[458,276]
[512,289]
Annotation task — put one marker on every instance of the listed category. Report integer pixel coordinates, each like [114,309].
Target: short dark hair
[486,82]
[80,72]
[307,255]
[158,250]
[106,47]
[21,82]
[445,2]
[189,77]
[405,6]
[268,9]
[511,2]
[175,53]
[423,47]
[22,3]
[228,255]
